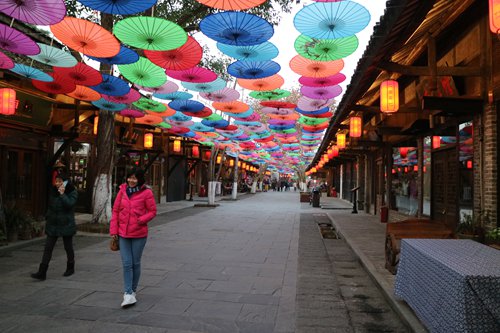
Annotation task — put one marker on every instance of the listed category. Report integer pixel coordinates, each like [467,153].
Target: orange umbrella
[268,83]
[311,68]
[86,37]
[149,120]
[85,94]
[232,4]
[167,113]
[232,107]
[292,116]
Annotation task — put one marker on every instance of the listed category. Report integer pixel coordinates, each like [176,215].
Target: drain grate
[328,231]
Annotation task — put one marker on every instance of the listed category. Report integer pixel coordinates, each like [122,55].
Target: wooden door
[21,178]
[444,194]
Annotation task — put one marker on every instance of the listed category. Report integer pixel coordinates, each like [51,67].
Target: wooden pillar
[388,175]
[420,178]
[368,183]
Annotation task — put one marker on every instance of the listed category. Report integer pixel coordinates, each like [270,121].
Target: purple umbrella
[322,81]
[277,111]
[195,74]
[321,92]
[5,62]
[38,12]
[132,113]
[17,42]
[130,97]
[223,95]
[167,88]
[309,104]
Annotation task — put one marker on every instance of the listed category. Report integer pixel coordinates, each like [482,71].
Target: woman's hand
[114,236]
[61,189]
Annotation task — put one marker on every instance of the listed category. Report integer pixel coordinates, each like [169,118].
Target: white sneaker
[128,300]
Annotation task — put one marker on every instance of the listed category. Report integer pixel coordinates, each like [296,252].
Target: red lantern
[335,151]
[341,140]
[7,101]
[148,140]
[436,142]
[495,16]
[208,154]
[196,151]
[355,127]
[469,164]
[415,168]
[177,146]
[389,96]
[403,152]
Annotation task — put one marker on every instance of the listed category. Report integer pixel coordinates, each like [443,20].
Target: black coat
[60,217]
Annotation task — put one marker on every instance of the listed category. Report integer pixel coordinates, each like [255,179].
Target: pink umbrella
[38,12]
[6,62]
[309,104]
[321,92]
[277,111]
[257,129]
[178,130]
[223,95]
[167,88]
[131,113]
[130,97]
[195,75]
[175,123]
[278,122]
[322,81]
[17,42]
[253,117]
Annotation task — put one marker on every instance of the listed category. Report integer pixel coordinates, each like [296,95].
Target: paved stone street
[254,265]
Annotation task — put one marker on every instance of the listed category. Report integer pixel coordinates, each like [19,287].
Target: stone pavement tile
[267,286]
[230,286]
[359,292]
[239,270]
[169,305]
[101,299]
[315,329]
[100,327]
[10,292]
[41,324]
[55,295]
[260,299]
[367,305]
[375,322]
[89,313]
[215,309]
[258,313]
[195,284]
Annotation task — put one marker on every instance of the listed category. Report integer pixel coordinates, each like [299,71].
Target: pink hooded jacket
[131,215]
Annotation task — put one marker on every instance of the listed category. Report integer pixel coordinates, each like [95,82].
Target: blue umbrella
[247,123]
[236,28]
[112,86]
[109,106]
[259,52]
[189,134]
[330,20]
[186,105]
[178,95]
[199,127]
[120,7]
[253,69]
[125,56]
[281,127]
[179,116]
[31,73]
[215,123]
[313,113]
[215,85]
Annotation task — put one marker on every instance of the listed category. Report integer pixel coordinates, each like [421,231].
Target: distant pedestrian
[133,208]
[60,222]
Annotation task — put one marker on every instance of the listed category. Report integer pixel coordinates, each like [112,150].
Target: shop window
[404,189]
[466,167]
[427,172]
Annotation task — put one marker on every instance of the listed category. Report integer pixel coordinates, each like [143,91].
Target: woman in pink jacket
[134,207]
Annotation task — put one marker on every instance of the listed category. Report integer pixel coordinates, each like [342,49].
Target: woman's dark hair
[139,174]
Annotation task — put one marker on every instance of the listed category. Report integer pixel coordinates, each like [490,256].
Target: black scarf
[132,190]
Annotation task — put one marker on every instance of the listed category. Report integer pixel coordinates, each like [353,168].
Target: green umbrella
[289,131]
[271,94]
[148,104]
[214,117]
[312,121]
[144,73]
[164,125]
[150,33]
[325,49]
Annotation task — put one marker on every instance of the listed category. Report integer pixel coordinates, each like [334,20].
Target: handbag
[114,245]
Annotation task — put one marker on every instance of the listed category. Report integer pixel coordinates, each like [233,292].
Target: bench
[411,228]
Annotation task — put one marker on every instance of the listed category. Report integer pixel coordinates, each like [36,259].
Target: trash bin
[316,195]
[384,214]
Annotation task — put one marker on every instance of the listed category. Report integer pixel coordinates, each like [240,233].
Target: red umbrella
[85,94]
[195,74]
[58,86]
[278,104]
[184,57]
[206,112]
[80,74]
[232,4]
[130,97]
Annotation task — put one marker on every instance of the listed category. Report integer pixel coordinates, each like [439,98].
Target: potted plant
[492,238]
[470,227]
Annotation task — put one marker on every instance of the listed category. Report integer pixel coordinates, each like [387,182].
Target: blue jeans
[131,253]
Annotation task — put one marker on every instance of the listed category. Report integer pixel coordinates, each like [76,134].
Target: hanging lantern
[355,127]
[415,168]
[96,124]
[219,158]
[325,158]
[239,164]
[495,16]
[341,140]
[469,164]
[177,146]
[389,96]
[196,151]
[231,163]
[148,140]
[7,101]
[208,154]
[436,142]
[335,151]
[403,152]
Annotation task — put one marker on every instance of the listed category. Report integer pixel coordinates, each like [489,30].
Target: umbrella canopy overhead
[31,73]
[259,52]
[321,92]
[183,57]
[253,69]
[325,49]
[148,104]
[193,75]
[322,81]
[40,12]
[109,106]
[312,68]
[57,86]
[119,7]
[53,56]
[80,74]
[223,95]
[265,84]
[150,33]
[130,97]
[166,88]
[236,28]
[111,85]
[85,94]
[233,107]
[270,95]
[5,61]
[144,73]
[16,42]
[86,37]
[232,4]
[178,95]
[205,87]
[131,113]
[124,56]
[186,105]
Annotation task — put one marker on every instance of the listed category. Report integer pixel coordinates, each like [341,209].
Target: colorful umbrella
[206,112]
[199,127]
[167,113]
[38,12]
[119,7]
[194,75]
[124,56]
[111,85]
[149,120]
[329,20]
[232,4]
[86,37]
[277,111]
[245,114]
[321,92]
[80,74]
[259,52]
[148,104]
[179,116]
[223,95]
[205,87]
[312,121]
[131,113]
[236,28]
[322,81]
[144,73]
[233,107]
[184,57]
[291,116]
[85,94]
[269,83]
[130,97]
[215,123]
[186,105]
[15,41]
[278,104]
[311,68]
[325,49]
[167,88]
[31,73]
[6,62]
[57,86]
[253,69]
[150,33]
[109,106]
[313,113]
[310,104]
[53,56]
[178,95]
[270,95]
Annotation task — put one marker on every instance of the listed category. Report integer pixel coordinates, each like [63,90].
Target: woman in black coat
[60,222]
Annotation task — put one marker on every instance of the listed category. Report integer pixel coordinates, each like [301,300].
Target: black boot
[42,272]
[70,269]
